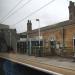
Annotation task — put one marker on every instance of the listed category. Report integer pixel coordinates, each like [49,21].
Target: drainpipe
[63,36]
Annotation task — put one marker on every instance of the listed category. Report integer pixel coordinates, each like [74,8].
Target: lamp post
[39,33]
[27,42]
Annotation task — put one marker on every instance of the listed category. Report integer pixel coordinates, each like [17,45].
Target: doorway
[53,47]
[74,45]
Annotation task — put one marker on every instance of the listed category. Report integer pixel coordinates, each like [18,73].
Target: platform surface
[58,65]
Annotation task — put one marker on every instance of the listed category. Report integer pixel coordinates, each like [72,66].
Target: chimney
[29,26]
[71,11]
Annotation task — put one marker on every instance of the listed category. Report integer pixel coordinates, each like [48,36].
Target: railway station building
[57,39]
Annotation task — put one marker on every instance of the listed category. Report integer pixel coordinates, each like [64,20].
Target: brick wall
[69,31]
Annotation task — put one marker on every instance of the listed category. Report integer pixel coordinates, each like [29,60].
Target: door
[74,46]
[53,47]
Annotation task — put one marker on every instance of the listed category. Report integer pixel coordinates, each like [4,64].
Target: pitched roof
[2,26]
[58,25]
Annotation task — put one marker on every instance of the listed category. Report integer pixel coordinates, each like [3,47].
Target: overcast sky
[55,12]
